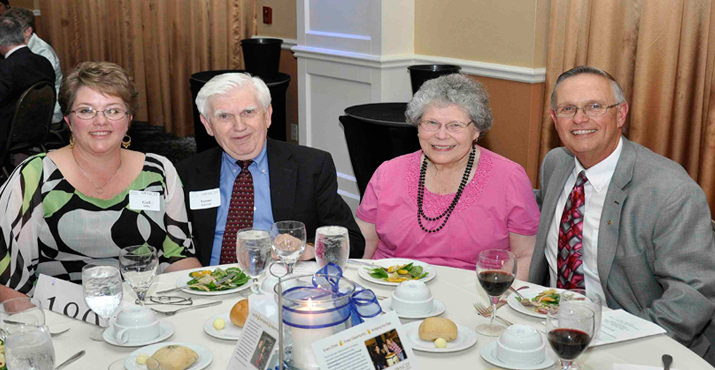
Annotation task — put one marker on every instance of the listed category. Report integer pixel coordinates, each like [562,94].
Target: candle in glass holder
[303,338]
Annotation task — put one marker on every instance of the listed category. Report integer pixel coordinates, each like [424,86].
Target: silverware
[174,312]
[516,291]
[487,312]
[363,263]
[56,333]
[667,360]
[70,360]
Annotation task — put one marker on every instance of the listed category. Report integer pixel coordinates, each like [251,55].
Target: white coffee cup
[521,345]
[136,324]
[412,297]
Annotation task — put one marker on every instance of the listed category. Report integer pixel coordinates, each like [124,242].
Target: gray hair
[11,32]
[456,89]
[575,71]
[226,82]
[24,15]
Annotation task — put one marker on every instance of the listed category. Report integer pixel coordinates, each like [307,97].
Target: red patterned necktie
[240,212]
[570,261]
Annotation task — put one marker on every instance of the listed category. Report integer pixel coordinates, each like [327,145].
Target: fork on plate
[487,312]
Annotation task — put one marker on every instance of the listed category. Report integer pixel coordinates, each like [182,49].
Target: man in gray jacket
[620,220]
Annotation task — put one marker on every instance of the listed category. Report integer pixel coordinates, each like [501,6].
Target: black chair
[371,142]
[29,125]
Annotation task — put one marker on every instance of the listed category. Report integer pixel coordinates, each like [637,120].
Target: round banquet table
[457,288]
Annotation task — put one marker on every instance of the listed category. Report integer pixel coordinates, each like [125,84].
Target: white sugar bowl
[521,345]
[412,297]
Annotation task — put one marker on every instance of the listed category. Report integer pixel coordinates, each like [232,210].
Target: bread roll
[436,327]
[239,313]
[172,357]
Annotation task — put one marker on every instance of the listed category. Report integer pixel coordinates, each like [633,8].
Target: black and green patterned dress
[47,226]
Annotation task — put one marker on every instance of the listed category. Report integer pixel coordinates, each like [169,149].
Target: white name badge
[204,199]
[144,200]
[65,298]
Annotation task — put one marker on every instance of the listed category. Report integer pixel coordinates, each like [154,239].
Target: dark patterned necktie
[570,260]
[240,212]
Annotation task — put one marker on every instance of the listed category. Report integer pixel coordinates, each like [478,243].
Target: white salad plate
[184,277]
[364,271]
[527,293]
[230,332]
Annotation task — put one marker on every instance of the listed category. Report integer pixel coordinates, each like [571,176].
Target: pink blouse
[499,200]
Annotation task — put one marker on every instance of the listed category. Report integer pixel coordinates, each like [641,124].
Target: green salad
[398,273]
[217,280]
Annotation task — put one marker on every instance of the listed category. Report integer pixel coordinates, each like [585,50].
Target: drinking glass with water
[332,244]
[102,286]
[253,250]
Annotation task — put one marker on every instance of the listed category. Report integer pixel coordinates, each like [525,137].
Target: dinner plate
[204,360]
[489,354]
[466,338]
[230,332]
[364,272]
[184,278]
[527,293]
[165,331]
[437,309]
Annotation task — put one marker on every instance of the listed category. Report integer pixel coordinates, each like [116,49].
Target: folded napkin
[637,367]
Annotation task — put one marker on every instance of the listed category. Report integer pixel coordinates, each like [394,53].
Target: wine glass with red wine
[496,269]
[570,328]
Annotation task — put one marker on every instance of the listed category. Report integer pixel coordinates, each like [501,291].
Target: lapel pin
[610,222]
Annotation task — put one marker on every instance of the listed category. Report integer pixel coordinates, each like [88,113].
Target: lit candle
[303,339]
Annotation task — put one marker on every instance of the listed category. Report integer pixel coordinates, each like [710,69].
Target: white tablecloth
[457,288]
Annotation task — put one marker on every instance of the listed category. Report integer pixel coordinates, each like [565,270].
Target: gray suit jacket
[656,253]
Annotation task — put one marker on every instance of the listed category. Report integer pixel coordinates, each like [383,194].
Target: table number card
[354,348]
[70,302]
[256,345]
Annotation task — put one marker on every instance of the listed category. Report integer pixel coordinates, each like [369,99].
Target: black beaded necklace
[447,212]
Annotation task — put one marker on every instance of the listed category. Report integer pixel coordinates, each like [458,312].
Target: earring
[71,141]
[127,141]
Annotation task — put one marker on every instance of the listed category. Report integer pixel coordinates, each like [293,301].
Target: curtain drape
[160,42]
[663,55]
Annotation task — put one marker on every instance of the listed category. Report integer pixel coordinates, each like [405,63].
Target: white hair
[226,82]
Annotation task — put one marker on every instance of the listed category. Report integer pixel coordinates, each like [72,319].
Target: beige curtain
[160,42]
[663,54]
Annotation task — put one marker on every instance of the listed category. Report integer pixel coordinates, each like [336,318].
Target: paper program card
[65,298]
[619,326]
[357,348]
[256,344]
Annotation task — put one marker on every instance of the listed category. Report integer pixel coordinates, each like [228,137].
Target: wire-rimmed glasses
[594,109]
[113,114]
[453,127]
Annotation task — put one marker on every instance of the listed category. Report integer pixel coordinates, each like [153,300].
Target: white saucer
[489,354]
[205,356]
[230,332]
[466,338]
[165,331]
[437,309]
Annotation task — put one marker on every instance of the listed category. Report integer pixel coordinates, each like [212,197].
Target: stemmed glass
[570,328]
[332,245]
[496,269]
[139,264]
[253,250]
[27,340]
[102,286]
[288,242]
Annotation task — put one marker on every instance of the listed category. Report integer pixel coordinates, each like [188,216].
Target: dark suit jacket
[656,254]
[304,187]
[17,73]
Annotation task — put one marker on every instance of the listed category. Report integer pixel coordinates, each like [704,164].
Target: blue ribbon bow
[363,303]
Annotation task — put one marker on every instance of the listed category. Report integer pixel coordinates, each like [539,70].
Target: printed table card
[256,344]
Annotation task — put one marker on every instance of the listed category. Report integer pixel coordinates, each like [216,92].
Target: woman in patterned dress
[87,200]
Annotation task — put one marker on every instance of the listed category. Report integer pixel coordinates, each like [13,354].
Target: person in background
[621,221]
[452,199]
[4,6]
[39,47]
[86,201]
[20,69]
[262,180]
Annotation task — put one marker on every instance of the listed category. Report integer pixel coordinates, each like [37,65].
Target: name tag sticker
[144,200]
[204,199]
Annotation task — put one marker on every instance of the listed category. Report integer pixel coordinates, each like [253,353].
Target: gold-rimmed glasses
[453,127]
[86,113]
[594,109]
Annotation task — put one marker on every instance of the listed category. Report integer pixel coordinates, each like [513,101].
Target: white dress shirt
[599,177]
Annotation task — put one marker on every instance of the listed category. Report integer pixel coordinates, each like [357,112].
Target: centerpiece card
[256,347]
[70,302]
[377,343]
[619,326]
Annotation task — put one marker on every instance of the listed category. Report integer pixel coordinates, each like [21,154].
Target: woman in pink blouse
[452,199]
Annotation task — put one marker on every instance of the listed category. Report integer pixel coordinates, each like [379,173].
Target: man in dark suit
[289,182]
[20,69]
[635,229]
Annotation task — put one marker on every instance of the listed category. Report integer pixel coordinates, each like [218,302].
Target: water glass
[102,286]
[253,250]
[139,264]
[288,242]
[21,311]
[30,347]
[332,244]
